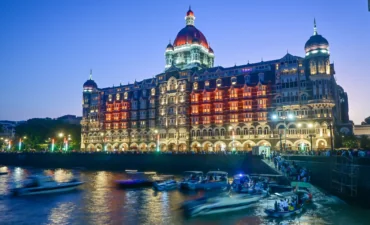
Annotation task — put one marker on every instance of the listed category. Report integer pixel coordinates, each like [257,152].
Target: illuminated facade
[286,103]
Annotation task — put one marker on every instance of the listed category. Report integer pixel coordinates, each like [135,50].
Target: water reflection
[99,202]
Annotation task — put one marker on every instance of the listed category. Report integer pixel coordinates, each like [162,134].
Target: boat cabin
[213,176]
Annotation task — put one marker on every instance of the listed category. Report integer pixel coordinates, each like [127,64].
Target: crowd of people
[284,205]
[339,152]
[291,169]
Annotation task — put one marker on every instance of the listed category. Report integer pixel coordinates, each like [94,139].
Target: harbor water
[98,201]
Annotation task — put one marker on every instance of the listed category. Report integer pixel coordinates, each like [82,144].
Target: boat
[191,177]
[283,214]
[166,184]
[213,180]
[44,185]
[219,204]
[137,179]
[243,183]
[3,173]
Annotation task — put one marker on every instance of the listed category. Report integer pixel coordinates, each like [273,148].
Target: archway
[98,147]
[108,147]
[182,147]
[172,147]
[220,146]
[123,147]
[142,147]
[207,146]
[133,146]
[152,147]
[115,147]
[321,144]
[247,146]
[163,147]
[195,146]
[91,147]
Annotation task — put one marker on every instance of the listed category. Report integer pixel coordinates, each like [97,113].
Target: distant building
[360,130]
[71,119]
[7,128]
[291,103]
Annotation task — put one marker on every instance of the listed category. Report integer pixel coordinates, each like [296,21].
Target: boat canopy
[194,172]
[217,172]
[238,176]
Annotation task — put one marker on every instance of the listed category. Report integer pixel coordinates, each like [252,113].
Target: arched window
[237,131]
[328,67]
[210,133]
[195,85]
[303,97]
[260,131]
[217,133]
[222,132]
[218,82]
[198,133]
[204,133]
[153,91]
[233,80]
[251,131]
[118,97]
[245,131]
[266,130]
[193,133]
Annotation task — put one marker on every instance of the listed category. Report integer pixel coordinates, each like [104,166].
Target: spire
[190,17]
[90,74]
[314,27]
[190,7]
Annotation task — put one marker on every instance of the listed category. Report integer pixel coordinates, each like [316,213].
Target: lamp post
[284,118]
[156,132]
[61,135]
[102,135]
[233,137]
[331,135]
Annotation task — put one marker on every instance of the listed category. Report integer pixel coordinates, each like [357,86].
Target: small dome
[316,42]
[210,50]
[90,84]
[169,47]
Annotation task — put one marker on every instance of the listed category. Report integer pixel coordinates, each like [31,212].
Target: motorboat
[137,179]
[243,183]
[213,180]
[219,204]
[191,177]
[283,214]
[44,185]
[168,183]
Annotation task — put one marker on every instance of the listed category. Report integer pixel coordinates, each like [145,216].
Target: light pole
[290,117]
[61,135]
[233,137]
[156,132]
[102,135]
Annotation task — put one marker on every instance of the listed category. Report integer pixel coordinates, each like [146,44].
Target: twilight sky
[48,47]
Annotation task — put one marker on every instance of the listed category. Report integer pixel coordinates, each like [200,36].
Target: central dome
[188,34]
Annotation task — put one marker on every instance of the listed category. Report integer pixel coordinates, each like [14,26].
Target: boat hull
[273,213]
[164,187]
[201,207]
[46,190]
[134,184]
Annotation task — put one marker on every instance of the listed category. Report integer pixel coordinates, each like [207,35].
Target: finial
[90,74]
[248,61]
[287,51]
[314,27]
[261,59]
[189,7]
[170,41]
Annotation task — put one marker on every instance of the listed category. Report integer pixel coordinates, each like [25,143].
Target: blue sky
[48,47]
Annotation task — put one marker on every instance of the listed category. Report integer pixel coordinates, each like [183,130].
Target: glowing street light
[156,131]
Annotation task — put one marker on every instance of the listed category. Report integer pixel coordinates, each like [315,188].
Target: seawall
[323,173]
[162,163]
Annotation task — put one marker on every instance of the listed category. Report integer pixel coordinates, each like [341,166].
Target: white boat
[165,185]
[44,185]
[191,177]
[213,180]
[282,214]
[206,206]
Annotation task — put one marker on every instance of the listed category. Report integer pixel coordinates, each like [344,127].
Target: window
[218,82]
[194,97]
[206,96]
[206,108]
[195,120]
[218,95]
[152,91]
[118,97]
[206,83]
[218,119]
[233,118]
[233,80]
[195,85]
[194,109]
[234,106]
[218,107]
[206,120]
[233,93]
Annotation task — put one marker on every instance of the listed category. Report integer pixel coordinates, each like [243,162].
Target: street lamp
[233,136]
[61,135]
[310,134]
[156,132]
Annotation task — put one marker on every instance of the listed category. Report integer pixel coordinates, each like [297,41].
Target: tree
[38,132]
[350,141]
[367,121]
[364,141]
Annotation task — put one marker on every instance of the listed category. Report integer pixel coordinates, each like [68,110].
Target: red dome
[188,34]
